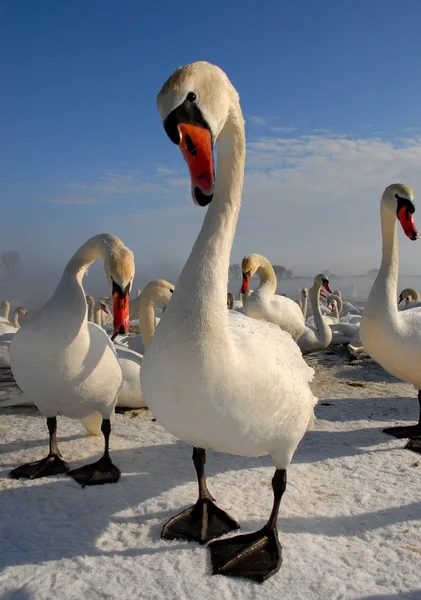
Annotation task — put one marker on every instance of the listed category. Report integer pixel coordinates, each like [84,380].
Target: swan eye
[191,97]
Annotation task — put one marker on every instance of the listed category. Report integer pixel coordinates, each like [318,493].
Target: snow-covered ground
[350,521]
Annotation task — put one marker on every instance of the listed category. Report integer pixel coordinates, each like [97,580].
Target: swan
[344,307]
[344,333]
[392,337]
[412,298]
[329,318]
[318,336]
[70,368]
[14,324]
[158,290]
[7,331]
[213,377]
[5,307]
[264,304]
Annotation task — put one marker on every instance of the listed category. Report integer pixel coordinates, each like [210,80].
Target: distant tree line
[281,272]
[10,264]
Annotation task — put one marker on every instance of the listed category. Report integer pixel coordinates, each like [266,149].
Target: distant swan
[264,304]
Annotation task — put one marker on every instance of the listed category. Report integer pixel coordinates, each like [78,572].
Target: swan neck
[315,305]
[6,309]
[304,301]
[384,289]
[202,287]
[147,320]
[96,314]
[15,319]
[267,275]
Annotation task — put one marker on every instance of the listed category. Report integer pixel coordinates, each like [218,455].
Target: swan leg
[407,431]
[256,555]
[52,464]
[205,520]
[103,470]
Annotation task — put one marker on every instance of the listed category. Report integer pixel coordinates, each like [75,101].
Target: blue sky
[330,92]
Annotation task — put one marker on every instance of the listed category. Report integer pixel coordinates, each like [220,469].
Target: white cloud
[262,121]
[283,128]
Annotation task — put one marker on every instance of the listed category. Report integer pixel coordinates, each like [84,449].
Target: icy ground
[350,521]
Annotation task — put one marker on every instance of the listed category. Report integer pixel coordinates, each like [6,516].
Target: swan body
[263,303]
[67,366]
[392,337]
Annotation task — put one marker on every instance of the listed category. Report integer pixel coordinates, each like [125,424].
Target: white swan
[318,336]
[213,377]
[345,307]
[392,337]
[68,367]
[411,297]
[5,307]
[158,290]
[264,304]
[14,324]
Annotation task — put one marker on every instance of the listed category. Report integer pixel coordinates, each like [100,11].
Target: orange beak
[327,287]
[121,313]
[323,295]
[196,147]
[246,281]
[406,219]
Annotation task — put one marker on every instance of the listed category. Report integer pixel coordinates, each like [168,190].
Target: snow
[350,520]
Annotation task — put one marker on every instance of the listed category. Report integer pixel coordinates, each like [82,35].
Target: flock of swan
[193,370]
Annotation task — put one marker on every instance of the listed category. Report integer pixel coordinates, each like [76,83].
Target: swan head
[158,290]
[89,300]
[22,311]
[119,270]
[399,198]
[322,280]
[194,104]
[249,266]
[103,304]
[407,294]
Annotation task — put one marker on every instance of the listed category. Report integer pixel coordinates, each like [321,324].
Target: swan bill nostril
[191,148]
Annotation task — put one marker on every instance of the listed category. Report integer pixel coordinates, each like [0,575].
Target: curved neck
[267,276]
[320,323]
[385,287]
[15,319]
[201,291]
[6,309]
[339,304]
[96,314]
[147,320]
[91,312]
[69,295]
[304,301]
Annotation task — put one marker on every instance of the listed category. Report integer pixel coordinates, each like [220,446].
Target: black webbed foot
[50,465]
[255,556]
[98,473]
[200,523]
[404,431]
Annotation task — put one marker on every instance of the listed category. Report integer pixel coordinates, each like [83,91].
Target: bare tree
[11,264]
[282,272]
